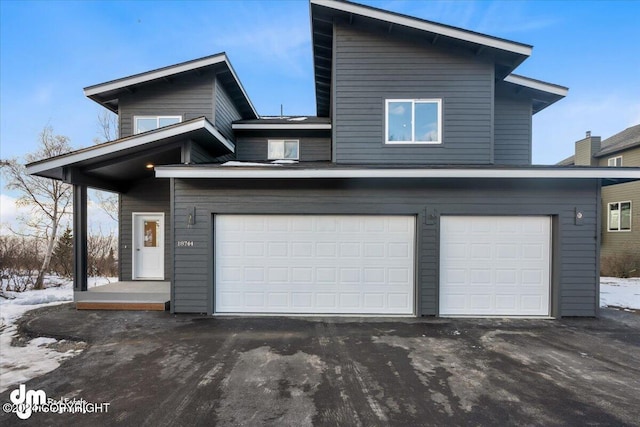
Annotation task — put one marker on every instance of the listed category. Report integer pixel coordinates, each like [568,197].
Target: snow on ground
[39,355]
[623,293]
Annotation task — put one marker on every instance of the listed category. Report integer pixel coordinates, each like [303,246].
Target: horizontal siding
[370,68]
[151,195]
[512,132]
[188,96]
[621,242]
[226,112]
[311,149]
[575,260]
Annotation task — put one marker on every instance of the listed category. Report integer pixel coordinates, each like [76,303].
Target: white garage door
[495,266]
[314,264]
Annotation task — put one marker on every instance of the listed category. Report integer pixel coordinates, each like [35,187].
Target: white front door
[148,246]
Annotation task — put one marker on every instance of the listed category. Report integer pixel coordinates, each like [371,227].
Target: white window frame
[157,118]
[437,101]
[282,141]
[619,230]
[612,162]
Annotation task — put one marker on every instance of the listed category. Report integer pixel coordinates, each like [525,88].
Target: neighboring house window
[620,216]
[147,123]
[283,149]
[413,121]
[615,161]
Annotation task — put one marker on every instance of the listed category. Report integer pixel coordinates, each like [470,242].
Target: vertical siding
[574,263]
[150,195]
[226,112]
[187,96]
[311,149]
[370,68]
[512,132]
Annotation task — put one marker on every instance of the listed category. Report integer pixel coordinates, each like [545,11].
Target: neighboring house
[411,193]
[620,231]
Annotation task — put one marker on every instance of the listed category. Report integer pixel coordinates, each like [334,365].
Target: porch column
[79,238]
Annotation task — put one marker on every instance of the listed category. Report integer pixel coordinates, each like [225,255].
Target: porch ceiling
[116,164]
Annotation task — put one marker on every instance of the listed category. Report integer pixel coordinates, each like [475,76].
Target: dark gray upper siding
[150,196]
[512,133]
[370,68]
[311,149]
[575,280]
[188,96]
[225,111]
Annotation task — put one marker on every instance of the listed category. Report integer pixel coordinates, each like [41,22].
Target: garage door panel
[495,266]
[314,264]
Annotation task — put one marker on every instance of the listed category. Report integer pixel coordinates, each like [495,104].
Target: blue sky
[50,50]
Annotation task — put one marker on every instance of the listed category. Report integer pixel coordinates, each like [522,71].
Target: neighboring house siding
[187,96]
[226,112]
[512,134]
[311,149]
[369,68]
[150,195]
[621,242]
[575,246]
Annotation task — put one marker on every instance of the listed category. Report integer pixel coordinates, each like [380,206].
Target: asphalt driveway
[158,369]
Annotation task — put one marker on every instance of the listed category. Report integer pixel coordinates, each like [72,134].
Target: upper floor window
[287,149]
[413,121]
[147,123]
[615,161]
[620,216]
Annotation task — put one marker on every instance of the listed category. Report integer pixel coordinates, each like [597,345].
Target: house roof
[127,158]
[284,123]
[506,54]
[241,170]
[106,94]
[628,138]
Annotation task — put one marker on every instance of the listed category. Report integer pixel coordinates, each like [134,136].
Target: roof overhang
[506,54]
[106,94]
[126,159]
[283,172]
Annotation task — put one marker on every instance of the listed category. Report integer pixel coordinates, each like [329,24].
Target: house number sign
[184,243]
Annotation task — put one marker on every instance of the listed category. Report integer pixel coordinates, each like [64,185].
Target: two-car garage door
[365,264]
[314,264]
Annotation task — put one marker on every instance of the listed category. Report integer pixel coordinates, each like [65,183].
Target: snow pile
[623,293]
[39,355]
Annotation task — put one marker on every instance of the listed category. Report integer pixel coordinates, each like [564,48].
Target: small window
[620,216]
[615,161]
[283,149]
[147,123]
[413,121]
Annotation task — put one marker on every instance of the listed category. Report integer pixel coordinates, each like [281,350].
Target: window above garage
[413,121]
[147,123]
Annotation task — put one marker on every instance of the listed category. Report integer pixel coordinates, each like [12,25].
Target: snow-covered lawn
[623,293]
[42,355]
[39,355]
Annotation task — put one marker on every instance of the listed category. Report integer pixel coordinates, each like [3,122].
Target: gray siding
[187,96]
[575,272]
[226,112]
[370,68]
[312,149]
[150,195]
[512,132]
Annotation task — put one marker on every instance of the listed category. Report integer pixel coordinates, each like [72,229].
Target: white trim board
[256,172]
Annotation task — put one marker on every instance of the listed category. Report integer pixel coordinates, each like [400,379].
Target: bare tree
[107,131]
[49,200]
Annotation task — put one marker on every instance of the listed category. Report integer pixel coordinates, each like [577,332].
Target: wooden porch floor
[130,295]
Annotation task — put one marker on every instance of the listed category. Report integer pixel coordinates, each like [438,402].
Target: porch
[127,295]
